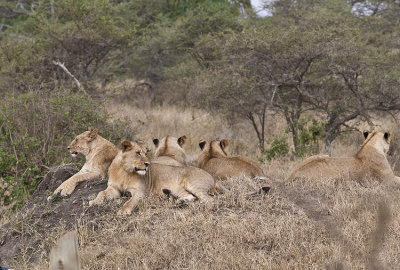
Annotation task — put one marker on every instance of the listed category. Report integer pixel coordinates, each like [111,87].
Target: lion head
[83,143]
[170,146]
[213,149]
[133,157]
[379,140]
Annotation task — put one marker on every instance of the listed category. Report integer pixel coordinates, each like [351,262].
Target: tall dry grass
[196,124]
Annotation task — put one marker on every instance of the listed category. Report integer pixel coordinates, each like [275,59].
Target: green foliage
[84,35]
[279,147]
[35,128]
[310,133]
[211,17]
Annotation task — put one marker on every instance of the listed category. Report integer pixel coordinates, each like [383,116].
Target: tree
[309,62]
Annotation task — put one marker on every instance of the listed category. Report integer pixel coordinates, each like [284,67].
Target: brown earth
[39,216]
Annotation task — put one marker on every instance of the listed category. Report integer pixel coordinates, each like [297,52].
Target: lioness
[214,159]
[99,154]
[169,151]
[126,173]
[369,162]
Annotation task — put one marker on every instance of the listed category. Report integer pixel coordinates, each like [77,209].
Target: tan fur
[169,151]
[180,181]
[369,162]
[183,182]
[214,159]
[126,174]
[99,154]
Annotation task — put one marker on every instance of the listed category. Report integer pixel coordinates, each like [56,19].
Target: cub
[214,159]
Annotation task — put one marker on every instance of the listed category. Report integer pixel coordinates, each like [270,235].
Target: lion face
[133,157]
[82,144]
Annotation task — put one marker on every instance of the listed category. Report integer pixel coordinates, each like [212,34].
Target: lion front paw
[68,189]
[124,211]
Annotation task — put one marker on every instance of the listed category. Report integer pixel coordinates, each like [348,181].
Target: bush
[310,133]
[278,148]
[36,128]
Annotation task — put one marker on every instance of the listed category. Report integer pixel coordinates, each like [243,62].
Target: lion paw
[124,212]
[67,189]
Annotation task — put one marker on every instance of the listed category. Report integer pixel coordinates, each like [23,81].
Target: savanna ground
[300,225]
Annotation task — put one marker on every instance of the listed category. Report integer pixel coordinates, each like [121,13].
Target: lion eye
[138,153]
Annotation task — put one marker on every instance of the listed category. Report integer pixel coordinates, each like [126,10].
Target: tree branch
[61,65]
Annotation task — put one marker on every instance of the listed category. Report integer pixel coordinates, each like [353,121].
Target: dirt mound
[25,233]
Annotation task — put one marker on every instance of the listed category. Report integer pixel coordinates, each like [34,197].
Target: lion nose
[146,164]
[68,147]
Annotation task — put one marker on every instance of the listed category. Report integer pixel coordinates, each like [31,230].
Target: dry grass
[159,121]
[299,225]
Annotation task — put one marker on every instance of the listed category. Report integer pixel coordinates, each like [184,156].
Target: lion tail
[221,189]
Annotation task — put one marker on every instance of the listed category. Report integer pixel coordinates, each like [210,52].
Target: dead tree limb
[61,65]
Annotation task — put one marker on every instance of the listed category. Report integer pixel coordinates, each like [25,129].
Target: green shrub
[309,135]
[278,148]
[36,128]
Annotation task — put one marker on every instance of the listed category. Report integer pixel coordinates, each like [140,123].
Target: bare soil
[24,232]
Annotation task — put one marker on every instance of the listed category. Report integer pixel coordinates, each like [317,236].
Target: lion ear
[156,142]
[387,135]
[126,145]
[182,140]
[224,144]
[92,134]
[365,133]
[202,144]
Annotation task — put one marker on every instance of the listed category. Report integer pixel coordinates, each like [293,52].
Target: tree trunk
[330,135]
[292,120]
[328,143]
[260,131]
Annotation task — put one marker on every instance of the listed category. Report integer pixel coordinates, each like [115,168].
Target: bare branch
[61,65]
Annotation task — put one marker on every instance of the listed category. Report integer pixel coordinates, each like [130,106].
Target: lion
[99,154]
[126,174]
[169,151]
[214,159]
[369,162]
[131,172]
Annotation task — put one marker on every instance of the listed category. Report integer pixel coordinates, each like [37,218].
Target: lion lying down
[369,162]
[131,172]
[99,154]
[214,159]
[169,151]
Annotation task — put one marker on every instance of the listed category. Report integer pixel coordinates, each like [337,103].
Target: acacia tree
[306,63]
[267,68]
